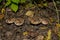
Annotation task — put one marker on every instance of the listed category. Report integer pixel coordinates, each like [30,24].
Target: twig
[56,10]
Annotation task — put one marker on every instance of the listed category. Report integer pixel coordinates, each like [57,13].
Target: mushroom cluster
[33,19]
[37,20]
[16,21]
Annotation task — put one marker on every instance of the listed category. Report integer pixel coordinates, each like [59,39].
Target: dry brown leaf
[29,13]
[1,16]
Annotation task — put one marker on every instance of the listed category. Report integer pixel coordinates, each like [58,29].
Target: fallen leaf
[57,25]
[40,37]
[48,35]
[45,4]
[1,16]
[3,10]
[29,13]
[25,33]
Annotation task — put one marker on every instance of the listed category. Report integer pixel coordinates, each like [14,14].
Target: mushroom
[34,20]
[10,20]
[44,21]
[19,21]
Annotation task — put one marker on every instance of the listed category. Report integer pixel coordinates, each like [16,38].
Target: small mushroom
[44,21]
[19,21]
[29,13]
[34,20]
[10,20]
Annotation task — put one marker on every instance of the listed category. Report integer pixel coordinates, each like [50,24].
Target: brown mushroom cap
[10,20]
[44,21]
[34,20]
[19,21]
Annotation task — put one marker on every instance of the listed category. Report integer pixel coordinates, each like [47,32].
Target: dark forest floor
[40,24]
